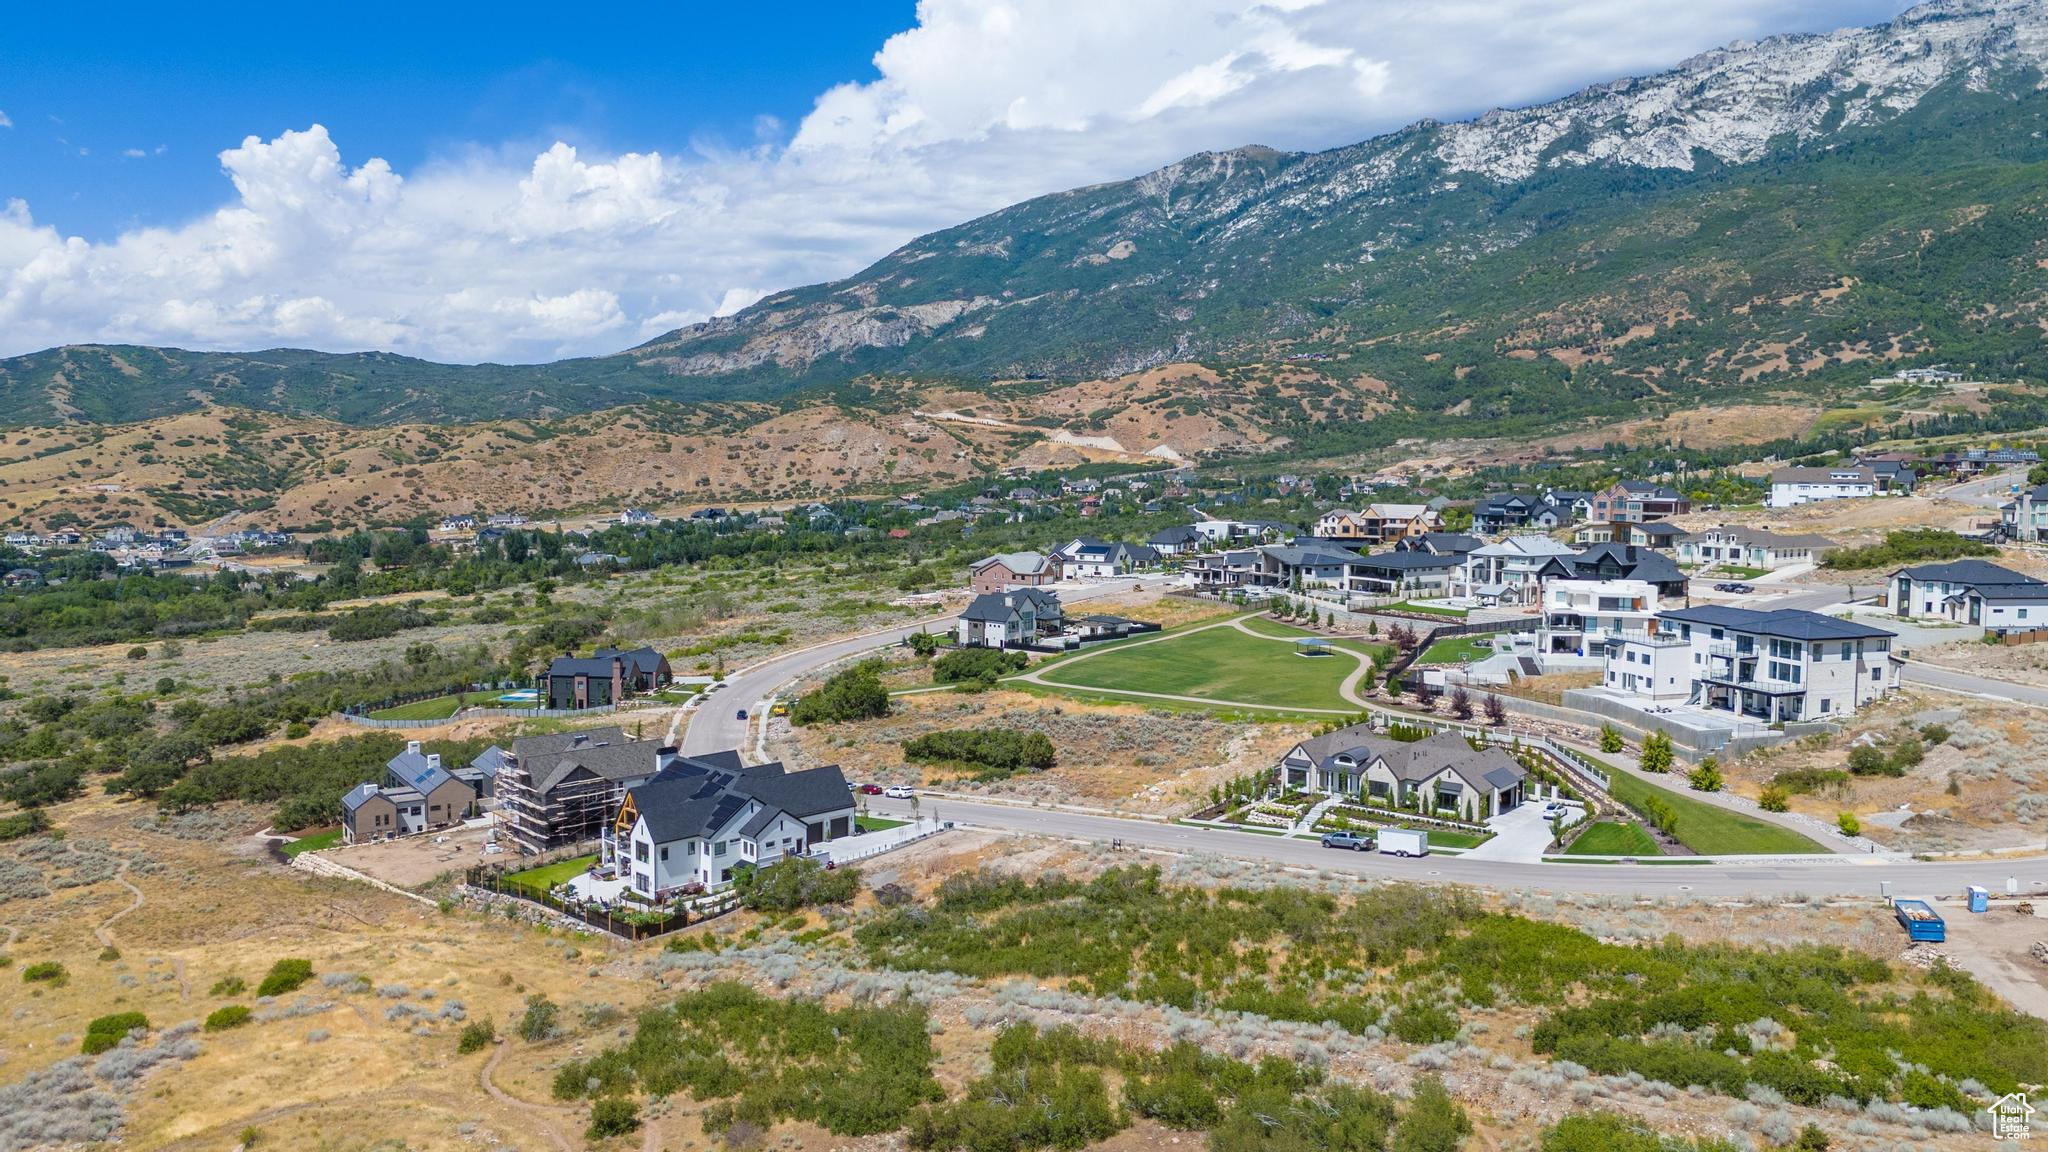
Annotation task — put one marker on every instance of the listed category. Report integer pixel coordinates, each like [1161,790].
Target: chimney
[412,746]
[433,760]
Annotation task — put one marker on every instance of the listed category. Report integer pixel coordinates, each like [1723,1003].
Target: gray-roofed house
[1174,541]
[1741,547]
[699,818]
[1012,619]
[562,789]
[1784,664]
[605,678]
[1970,592]
[1440,773]
[1007,570]
[418,794]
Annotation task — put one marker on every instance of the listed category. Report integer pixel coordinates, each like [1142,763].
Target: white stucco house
[701,817]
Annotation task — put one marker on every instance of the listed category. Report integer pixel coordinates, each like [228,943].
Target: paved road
[1935,676]
[1818,876]
[1986,491]
[716,725]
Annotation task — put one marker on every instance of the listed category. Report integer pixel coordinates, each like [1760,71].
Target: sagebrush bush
[107,1032]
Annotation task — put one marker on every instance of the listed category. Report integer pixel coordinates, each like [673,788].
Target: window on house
[640,851]
[720,849]
[664,853]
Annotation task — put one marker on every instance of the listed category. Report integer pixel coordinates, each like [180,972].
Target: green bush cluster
[476,1036]
[993,753]
[1907,546]
[855,694]
[107,1032]
[378,622]
[542,1019]
[1806,781]
[226,1017]
[19,824]
[45,972]
[285,976]
[854,1071]
[795,882]
[977,668]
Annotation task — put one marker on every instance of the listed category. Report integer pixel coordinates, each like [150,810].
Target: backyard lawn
[313,842]
[1608,838]
[1455,650]
[434,708]
[878,823]
[1220,664]
[1738,572]
[539,880]
[1708,829]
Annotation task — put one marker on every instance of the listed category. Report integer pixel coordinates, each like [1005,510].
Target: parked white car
[900,792]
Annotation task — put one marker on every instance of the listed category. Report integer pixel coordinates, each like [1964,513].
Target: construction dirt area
[415,861]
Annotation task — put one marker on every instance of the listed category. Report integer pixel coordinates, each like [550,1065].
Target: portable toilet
[1980,898]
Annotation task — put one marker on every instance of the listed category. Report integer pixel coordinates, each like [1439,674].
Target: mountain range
[1763,217]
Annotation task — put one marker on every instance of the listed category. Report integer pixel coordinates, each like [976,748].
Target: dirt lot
[1126,757]
[1983,788]
[414,861]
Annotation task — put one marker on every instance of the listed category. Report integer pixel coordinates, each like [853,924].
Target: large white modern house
[1584,617]
[1770,666]
[700,817]
[1794,486]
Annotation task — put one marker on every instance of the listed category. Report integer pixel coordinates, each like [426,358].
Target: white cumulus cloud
[983,103]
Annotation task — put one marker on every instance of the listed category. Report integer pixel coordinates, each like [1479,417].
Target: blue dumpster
[1980,899]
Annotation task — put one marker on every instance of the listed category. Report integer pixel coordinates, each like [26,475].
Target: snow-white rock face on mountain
[1197,223]
[1734,103]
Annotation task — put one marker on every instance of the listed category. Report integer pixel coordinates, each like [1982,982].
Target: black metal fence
[627,921]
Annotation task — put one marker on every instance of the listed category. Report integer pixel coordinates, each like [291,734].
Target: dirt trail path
[104,931]
[533,1112]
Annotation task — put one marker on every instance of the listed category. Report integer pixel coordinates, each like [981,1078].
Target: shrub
[1868,760]
[1610,739]
[1907,546]
[1706,777]
[855,694]
[20,824]
[978,667]
[138,653]
[230,1016]
[795,882]
[1935,733]
[542,1020]
[1849,824]
[46,972]
[228,986]
[1658,754]
[1772,799]
[109,954]
[995,753]
[612,1116]
[1906,755]
[476,1036]
[1433,1122]
[107,1032]
[285,976]
[1806,781]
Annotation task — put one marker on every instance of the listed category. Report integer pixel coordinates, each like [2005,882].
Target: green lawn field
[1454,650]
[878,823]
[539,880]
[1710,830]
[1610,839]
[313,842]
[1220,664]
[435,708]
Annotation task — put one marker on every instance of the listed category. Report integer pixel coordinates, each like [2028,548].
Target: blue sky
[86,85]
[521,183]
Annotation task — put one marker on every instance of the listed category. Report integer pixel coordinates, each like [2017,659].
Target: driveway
[1521,833]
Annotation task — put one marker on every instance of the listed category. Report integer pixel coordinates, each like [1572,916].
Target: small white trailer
[1403,842]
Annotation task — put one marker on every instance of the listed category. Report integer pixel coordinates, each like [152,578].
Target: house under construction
[560,790]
